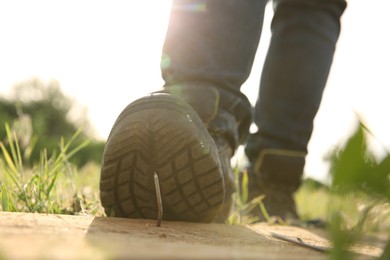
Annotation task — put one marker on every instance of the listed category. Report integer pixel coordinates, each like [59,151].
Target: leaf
[354,167]
[351,165]
[378,178]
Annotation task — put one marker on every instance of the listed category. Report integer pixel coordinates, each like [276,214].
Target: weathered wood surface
[41,236]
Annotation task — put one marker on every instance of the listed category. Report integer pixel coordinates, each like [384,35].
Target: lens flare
[192,7]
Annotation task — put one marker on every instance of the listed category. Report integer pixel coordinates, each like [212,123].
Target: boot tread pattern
[162,135]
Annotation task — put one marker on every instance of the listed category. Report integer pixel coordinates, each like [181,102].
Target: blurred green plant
[43,109]
[355,170]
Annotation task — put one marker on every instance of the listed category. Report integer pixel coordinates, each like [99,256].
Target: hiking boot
[227,117]
[278,201]
[161,134]
[276,174]
[225,152]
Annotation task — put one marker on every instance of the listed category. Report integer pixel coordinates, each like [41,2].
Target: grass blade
[18,159]
[4,198]
[78,148]
[244,188]
[264,211]
[11,141]
[8,159]
[9,164]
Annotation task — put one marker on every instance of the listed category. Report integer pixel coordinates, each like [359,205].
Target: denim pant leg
[304,35]
[213,43]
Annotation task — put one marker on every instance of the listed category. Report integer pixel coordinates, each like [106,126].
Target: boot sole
[161,134]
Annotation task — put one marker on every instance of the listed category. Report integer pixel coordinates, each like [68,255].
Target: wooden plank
[33,236]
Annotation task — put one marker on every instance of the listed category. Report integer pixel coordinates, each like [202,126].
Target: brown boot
[161,134]
[276,174]
[219,111]
[185,136]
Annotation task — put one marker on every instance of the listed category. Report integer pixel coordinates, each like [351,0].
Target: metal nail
[159,200]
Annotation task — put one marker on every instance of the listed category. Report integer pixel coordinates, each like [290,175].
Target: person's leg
[213,44]
[208,54]
[304,36]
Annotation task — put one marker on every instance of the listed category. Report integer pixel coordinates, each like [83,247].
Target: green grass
[53,185]
[242,206]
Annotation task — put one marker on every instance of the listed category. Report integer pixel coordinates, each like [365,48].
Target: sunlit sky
[105,54]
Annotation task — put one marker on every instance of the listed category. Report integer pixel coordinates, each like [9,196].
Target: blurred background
[96,56]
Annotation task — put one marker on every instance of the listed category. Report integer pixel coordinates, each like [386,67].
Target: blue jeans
[214,43]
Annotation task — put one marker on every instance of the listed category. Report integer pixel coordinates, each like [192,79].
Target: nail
[159,200]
